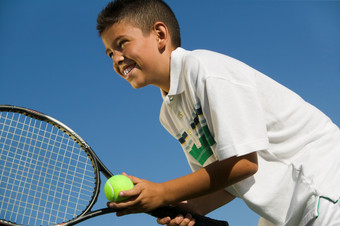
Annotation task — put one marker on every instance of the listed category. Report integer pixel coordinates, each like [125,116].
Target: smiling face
[139,58]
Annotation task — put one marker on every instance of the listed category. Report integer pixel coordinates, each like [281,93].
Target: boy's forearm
[212,178]
[205,204]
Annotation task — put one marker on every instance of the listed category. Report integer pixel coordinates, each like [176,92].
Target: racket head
[50,174]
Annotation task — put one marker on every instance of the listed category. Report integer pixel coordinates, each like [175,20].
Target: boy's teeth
[127,70]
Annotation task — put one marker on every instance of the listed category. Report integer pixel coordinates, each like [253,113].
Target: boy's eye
[121,43]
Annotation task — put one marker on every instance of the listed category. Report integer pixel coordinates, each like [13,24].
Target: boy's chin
[137,86]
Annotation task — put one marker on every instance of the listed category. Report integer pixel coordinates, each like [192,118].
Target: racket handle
[172,212]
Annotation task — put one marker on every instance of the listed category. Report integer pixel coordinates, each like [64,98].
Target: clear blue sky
[52,60]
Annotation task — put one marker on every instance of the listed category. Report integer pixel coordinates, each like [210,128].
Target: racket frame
[98,167]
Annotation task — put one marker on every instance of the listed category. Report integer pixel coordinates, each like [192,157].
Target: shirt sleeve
[235,115]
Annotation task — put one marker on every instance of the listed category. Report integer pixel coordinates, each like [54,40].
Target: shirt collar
[176,84]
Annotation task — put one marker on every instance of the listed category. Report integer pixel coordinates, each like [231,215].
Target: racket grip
[172,212]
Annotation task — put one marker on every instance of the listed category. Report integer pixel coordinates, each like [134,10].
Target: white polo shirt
[218,107]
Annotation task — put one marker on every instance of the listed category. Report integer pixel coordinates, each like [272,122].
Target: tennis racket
[50,175]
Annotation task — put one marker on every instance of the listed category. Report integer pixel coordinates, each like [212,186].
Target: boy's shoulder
[200,57]
[192,67]
[197,54]
[207,62]
[190,59]
[200,66]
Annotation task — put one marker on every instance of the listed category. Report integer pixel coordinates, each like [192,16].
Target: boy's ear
[162,34]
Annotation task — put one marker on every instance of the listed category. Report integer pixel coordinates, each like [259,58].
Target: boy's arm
[201,205]
[207,203]
[146,196]
[213,177]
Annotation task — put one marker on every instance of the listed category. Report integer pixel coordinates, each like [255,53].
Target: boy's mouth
[127,69]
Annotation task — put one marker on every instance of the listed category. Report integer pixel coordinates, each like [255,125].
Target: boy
[244,135]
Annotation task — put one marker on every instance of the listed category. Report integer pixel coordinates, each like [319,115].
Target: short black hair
[142,14]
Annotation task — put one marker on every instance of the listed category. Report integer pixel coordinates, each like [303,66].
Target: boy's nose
[118,58]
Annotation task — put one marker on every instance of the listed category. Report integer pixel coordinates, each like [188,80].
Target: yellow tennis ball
[116,184]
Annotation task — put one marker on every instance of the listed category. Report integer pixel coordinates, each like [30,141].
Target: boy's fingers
[188,221]
[163,221]
[124,205]
[170,222]
[192,222]
[134,180]
[129,193]
[178,221]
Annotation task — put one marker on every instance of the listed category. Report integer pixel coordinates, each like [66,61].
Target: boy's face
[136,57]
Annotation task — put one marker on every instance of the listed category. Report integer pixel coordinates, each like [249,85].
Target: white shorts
[328,213]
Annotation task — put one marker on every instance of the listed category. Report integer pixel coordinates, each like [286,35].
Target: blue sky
[52,60]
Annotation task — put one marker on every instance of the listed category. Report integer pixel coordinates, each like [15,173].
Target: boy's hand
[179,220]
[188,220]
[144,197]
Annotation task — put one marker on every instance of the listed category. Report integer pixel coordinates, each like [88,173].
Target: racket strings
[43,170]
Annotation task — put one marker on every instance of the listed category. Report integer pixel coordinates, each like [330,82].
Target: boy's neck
[164,82]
